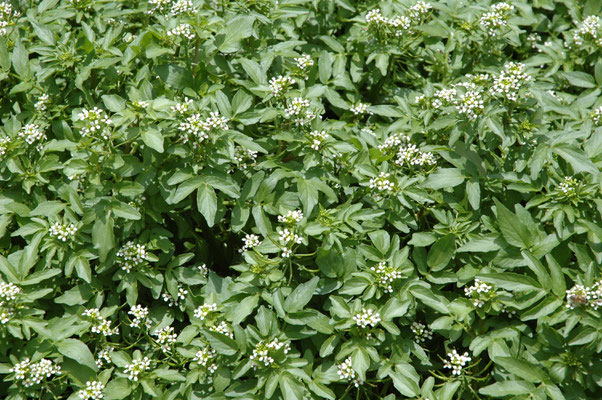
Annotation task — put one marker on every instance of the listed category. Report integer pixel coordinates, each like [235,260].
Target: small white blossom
[590,28]
[203,270]
[317,138]
[510,81]
[198,128]
[131,255]
[476,290]
[279,85]
[244,156]
[304,61]
[359,108]
[250,241]
[182,108]
[382,183]
[367,317]
[141,104]
[386,275]
[596,116]
[496,18]
[42,103]
[136,368]
[62,231]
[421,332]
[92,391]
[182,30]
[7,17]
[292,217]
[299,110]
[139,314]
[288,237]
[471,104]
[95,121]
[569,186]
[222,328]
[401,24]
[8,293]
[32,133]
[166,338]
[104,357]
[204,310]
[99,323]
[4,142]
[346,372]
[419,10]
[180,7]
[456,362]
[30,374]
[204,357]
[264,352]
[376,18]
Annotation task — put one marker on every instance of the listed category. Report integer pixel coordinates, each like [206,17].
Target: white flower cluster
[203,270]
[244,156]
[382,183]
[590,28]
[569,186]
[32,133]
[456,362]
[444,97]
[8,296]
[171,302]
[386,275]
[42,103]
[92,391]
[317,138]
[470,103]
[304,62]
[533,39]
[367,317]
[4,141]
[196,127]
[509,81]
[250,241]
[288,238]
[421,332]
[95,121]
[104,357]
[401,23]
[596,116]
[222,328]
[143,104]
[292,217]
[166,338]
[204,310]
[99,323]
[182,30]
[407,153]
[580,295]
[131,255]
[299,110]
[139,314]
[204,357]
[34,373]
[496,18]
[7,14]
[478,288]
[264,352]
[175,7]
[136,368]
[359,109]
[346,372]
[62,231]
[138,202]
[279,85]
[182,108]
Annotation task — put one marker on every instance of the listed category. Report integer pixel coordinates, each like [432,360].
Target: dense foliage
[261,199]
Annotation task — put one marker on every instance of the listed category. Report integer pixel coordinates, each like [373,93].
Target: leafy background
[494,205]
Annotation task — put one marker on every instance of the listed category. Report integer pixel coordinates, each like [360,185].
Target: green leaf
[301,295]
[522,368]
[576,158]
[169,375]
[508,388]
[441,252]
[444,178]
[221,343]
[290,387]
[103,237]
[579,79]
[513,230]
[153,139]
[511,281]
[238,28]
[117,388]
[114,103]
[78,351]
[207,203]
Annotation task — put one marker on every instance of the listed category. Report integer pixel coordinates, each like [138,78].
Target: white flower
[419,10]
[140,104]
[7,15]
[509,81]
[382,183]
[471,104]
[99,323]
[104,356]
[264,352]
[401,24]
[407,153]
[292,217]
[288,237]
[166,338]
[203,270]
[456,362]
[204,310]
[569,186]
[4,142]
[42,103]
[304,61]
[131,255]
[580,295]
[298,109]
[182,30]
[158,5]
[204,358]
[8,293]
[385,275]
[375,18]
[180,7]
[279,85]
[62,231]
[139,313]
[196,127]
[346,372]
[222,328]
[32,133]
[317,138]
[421,332]
[30,374]
[359,108]
[95,121]
[92,391]
[136,368]
[182,108]
[250,241]
[496,18]
[590,27]
[244,156]
[596,115]
[367,317]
